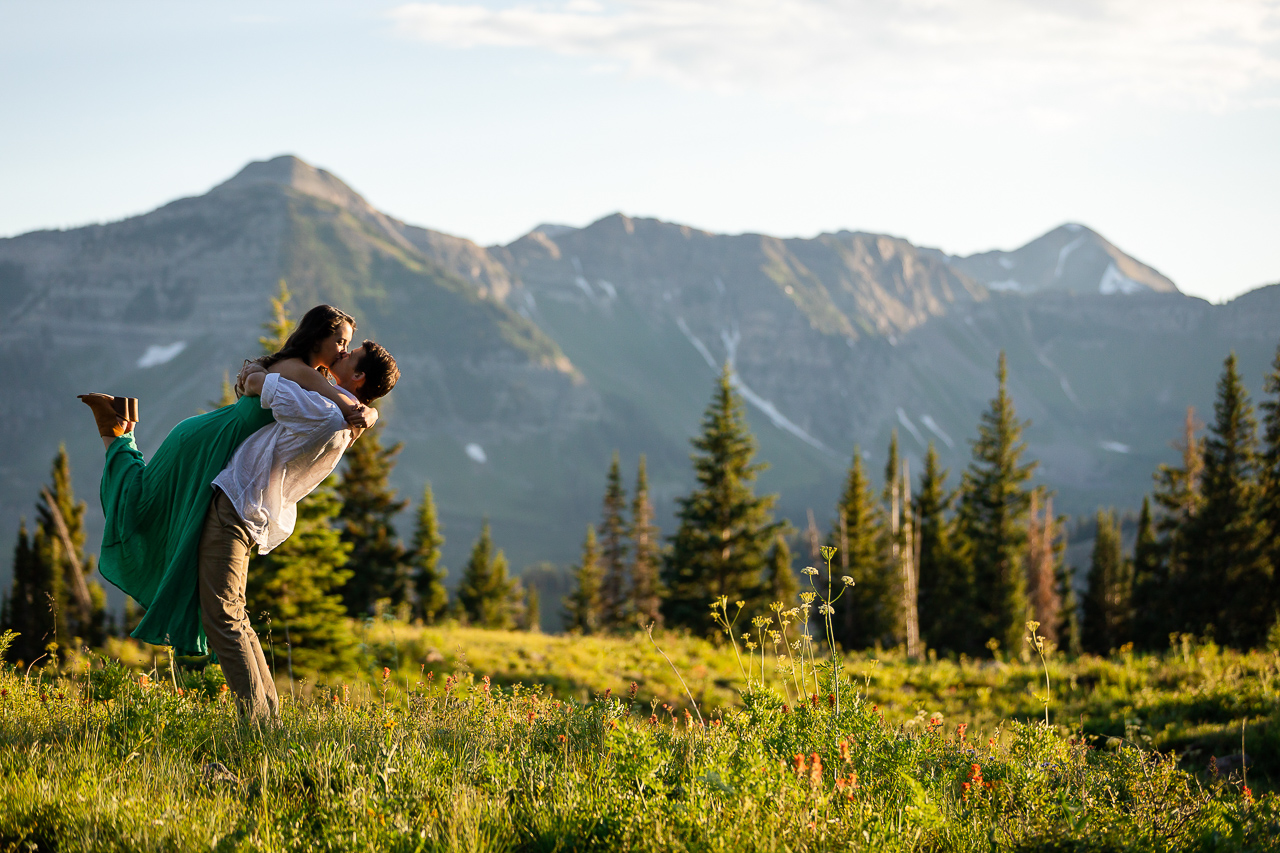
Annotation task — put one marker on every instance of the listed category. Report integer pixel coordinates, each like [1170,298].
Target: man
[255,502]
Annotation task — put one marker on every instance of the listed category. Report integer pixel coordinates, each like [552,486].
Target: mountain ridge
[549,352]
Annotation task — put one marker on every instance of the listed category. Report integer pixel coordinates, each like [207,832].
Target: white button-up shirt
[283,462]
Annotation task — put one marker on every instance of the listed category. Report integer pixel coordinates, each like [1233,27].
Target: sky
[965,125]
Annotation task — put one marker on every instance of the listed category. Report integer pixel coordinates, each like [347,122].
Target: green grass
[93,759]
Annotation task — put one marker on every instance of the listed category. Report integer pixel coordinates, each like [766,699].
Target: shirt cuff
[269,390]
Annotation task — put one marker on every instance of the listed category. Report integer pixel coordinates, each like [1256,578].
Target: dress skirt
[154,515]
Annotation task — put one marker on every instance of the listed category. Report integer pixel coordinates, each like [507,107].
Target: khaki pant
[224,571]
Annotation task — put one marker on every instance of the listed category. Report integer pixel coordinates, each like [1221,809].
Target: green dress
[155,512]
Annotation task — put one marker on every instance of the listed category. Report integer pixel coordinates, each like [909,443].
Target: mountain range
[526,365]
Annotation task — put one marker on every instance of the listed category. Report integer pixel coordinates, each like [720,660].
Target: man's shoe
[112,414]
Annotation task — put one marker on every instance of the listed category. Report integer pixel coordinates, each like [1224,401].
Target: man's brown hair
[380,372]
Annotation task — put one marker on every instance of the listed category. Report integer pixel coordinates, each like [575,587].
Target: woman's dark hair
[316,325]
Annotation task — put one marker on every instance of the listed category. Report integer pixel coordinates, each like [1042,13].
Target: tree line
[958,570]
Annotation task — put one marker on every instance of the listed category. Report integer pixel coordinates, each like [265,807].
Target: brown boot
[113,414]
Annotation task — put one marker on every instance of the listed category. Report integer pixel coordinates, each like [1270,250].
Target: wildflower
[181,692]
[688,718]
[631,694]
[797,763]
[531,715]
[653,719]
[715,724]
[386,673]
[814,700]
[844,751]
[389,724]
[346,694]
[826,609]
[831,700]
[810,570]
[848,581]
[786,709]
[808,597]
[4,694]
[430,675]
[1248,794]
[334,697]
[44,697]
[144,680]
[962,728]
[741,604]
[562,738]
[815,769]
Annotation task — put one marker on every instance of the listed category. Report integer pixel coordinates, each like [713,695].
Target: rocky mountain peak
[1070,258]
[295,173]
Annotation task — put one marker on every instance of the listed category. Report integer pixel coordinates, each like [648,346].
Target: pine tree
[486,596]
[1069,616]
[895,532]
[1107,600]
[296,586]
[28,604]
[532,620]
[1178,496]
[279,326]
[1150,625]
[430,598]
[1269,476]
[725,529]
[583,607]
[782,580]
[646,555]
[80,601]
[613,549]
[1043,556]
[1227,541]
[867,613]
[945,583]
[378,564]
[991,520]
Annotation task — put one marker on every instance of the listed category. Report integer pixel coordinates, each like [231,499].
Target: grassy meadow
[464,739]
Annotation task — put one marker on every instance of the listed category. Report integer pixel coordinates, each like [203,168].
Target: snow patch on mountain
[476,452]
[1114,281]
[1009,284]
[730,340]
[157,355]
[932,425]
[910,427]
[1114,446]
[1067,250]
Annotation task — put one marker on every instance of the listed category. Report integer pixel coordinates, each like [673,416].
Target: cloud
[1051,59]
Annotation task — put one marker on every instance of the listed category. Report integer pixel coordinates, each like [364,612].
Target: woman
[155,511]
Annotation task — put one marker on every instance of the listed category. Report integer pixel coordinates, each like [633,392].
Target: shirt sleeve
[299,410]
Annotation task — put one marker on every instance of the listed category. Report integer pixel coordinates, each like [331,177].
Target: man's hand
[360,416]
